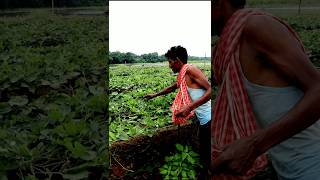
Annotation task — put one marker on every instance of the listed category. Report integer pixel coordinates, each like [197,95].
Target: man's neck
[181,67]
[228,13]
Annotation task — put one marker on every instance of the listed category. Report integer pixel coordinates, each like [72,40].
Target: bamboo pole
[52,6]
[299,6]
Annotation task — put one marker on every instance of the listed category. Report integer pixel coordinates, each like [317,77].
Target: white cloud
[154,26]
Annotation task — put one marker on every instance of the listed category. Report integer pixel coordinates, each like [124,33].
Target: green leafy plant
[52,98]
[181,165]
[130,114]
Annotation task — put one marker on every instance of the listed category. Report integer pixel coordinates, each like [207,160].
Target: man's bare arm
[197,75]
[272,40]
[163,92]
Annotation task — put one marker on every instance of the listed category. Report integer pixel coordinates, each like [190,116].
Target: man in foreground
[194,95]
[268,99]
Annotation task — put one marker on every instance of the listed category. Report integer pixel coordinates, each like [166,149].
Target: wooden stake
[299,6]
[52,6]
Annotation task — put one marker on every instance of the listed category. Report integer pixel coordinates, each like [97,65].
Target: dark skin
[270,56]
[194,79]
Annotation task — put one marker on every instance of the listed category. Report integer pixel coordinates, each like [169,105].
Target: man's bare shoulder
[193,70]
[190,69]
[266,34]
[258,26]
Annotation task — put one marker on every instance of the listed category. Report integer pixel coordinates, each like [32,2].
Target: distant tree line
[198,58]
[8,4]
[128,57]
[121,58]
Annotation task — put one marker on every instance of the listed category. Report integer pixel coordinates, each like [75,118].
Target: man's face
[216,17]
[173,65]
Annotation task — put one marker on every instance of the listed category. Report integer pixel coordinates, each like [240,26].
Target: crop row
[131,114]
[52,96]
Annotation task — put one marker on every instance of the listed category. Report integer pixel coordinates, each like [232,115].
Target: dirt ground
[140,157]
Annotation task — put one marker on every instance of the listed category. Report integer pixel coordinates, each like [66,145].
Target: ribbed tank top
[297,158]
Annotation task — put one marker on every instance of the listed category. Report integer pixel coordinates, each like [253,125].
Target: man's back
[273,95]
[256,65]
[196,91]
[270,55]
[298,157]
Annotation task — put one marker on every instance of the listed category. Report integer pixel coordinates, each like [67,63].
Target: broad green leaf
[76,176]
[163,172]
[186,149]
[79,150]
[179,147]
[191,160]
[8,164]
[123,136]
[90,155]
[74,128]
[68,144]
[14,78]
[55,85]
[178,157]
[18,100]
[112,135]
[114,93]
[56,115]
[4,108]
[193,154]
[184,174]
[45,82]
[173,173]
[24,150]
[31,177]
[184,155]
[96,90]
[167,158]
[176,163]
[72,75]
[192,174]
[3,177]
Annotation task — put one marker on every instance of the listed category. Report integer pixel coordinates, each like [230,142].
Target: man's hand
[185,111]
[236,158]
[150,96]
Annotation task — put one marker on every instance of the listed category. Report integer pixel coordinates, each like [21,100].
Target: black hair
[176,52]
[237,3]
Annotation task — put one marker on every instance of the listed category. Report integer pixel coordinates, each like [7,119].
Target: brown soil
[132,156]
[141,156]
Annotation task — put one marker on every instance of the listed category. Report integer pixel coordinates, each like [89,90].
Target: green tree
[150,57]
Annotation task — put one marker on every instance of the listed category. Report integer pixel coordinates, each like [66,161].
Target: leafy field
[307,25]
[130,114]
[52,98]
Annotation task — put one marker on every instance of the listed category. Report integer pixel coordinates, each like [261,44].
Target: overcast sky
[144,27]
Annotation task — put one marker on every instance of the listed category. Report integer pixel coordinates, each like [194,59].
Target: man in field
[194,95]
[268,100]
